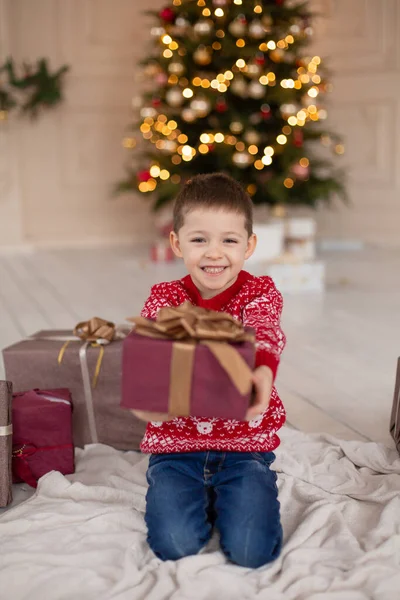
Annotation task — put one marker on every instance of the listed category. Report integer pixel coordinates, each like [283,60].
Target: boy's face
[214,246]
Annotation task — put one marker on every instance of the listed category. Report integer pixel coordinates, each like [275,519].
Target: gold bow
[186,325]
[95,330]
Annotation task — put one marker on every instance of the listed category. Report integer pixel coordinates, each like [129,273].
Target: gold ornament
[157,31]
[237,28]
[202,56]
[267,23]
[176,68]
[239,87]
[180,27]
[174,97]
[251,136]
[253,70]
[256,29]
[148,111]
[188,115]
[256,90]
[277,55]
[242,159]
[169,146]
[236,127]
[201,106]
[151,69]
[203,27]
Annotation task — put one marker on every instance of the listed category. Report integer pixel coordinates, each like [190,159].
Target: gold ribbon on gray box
[95,332]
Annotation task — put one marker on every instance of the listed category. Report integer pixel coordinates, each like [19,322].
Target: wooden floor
[337,372]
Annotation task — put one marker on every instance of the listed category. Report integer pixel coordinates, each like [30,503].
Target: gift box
[395,416]
[297,277]
[190,361]
[42,434]
[5,443]
[300,237]
[161,251]
[270,241]
[91,371]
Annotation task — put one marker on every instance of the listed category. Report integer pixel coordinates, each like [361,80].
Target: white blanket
[83,537]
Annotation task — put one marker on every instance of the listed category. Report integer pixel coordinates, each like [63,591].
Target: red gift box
[161,251]
[42,434]
[190,361]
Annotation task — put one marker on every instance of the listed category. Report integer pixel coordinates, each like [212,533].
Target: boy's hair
[215,191]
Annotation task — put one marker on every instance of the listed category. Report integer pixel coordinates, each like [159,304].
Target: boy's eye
[230,241]
[197,240]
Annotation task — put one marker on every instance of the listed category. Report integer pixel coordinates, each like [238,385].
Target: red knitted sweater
[257,303]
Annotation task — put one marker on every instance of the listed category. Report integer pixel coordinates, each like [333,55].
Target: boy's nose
[213,252]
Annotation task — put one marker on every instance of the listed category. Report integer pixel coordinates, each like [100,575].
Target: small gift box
[161,251]
[190,361]
[300,237]
[297,277]
[395,416]
[42,436]
[5,443]
[88,363]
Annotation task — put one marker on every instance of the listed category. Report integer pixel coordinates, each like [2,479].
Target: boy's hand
[150,416]
[263,380]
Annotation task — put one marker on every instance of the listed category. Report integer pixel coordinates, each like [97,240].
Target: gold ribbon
[98,333]
[187,325]
[95,332]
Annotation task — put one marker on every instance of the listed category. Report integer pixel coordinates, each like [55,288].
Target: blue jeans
[191,492]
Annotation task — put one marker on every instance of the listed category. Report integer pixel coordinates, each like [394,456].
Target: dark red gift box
[190,361]
[42,434]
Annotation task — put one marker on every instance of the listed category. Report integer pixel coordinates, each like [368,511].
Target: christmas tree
[231,88]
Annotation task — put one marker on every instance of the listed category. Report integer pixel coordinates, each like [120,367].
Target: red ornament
[143,176]
[260,59]
[211,147]
[156,101]
[221,106]
[298,138]
[266,111]
[167,15]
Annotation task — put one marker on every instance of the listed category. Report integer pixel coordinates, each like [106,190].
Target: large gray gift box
[47,361]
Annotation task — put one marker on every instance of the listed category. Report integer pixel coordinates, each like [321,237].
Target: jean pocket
[267,458]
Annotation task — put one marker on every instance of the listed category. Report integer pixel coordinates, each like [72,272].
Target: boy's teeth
[213,269]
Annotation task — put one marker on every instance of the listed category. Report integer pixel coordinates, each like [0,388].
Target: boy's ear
[251,246]
[175,245]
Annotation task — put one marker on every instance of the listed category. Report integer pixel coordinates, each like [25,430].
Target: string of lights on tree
[231,88]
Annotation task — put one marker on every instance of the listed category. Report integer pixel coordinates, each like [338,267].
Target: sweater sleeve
[263,314]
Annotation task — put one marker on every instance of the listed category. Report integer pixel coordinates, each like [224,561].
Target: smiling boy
[206,472]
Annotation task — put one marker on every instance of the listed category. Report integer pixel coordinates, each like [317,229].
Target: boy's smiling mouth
[213,270]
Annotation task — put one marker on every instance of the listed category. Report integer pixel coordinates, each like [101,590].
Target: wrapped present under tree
[42,434]
[88,363]
[5,442]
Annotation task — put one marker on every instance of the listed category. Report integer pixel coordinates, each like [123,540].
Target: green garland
[37,88]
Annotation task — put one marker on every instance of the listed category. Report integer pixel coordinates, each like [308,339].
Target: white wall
[55,174]
[361,39]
